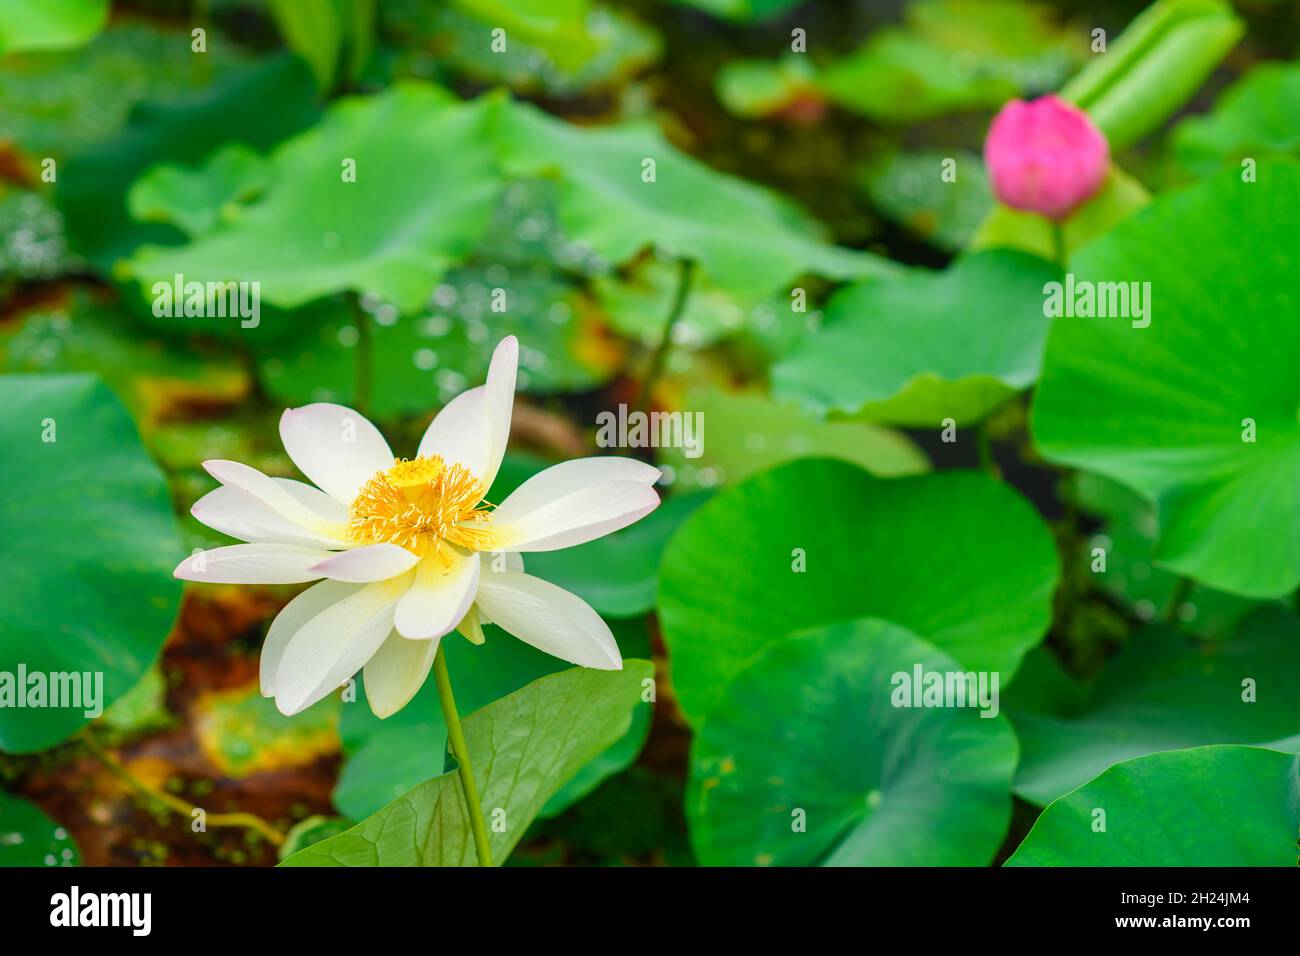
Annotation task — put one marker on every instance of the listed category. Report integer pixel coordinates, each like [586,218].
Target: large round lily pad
[954,556]
[1170,408]
[1211,806]
[807,758]
[89,513]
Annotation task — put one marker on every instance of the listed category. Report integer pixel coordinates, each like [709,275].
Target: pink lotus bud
[1045,156]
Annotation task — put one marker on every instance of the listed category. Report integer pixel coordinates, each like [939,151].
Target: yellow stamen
[420,505]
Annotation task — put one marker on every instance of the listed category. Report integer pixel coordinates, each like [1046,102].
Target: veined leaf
[807,757]
[524,748]
[953,555]
[89,512]
[1211,806]
[1218,453]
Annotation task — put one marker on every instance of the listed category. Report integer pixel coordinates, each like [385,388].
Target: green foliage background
[905,464]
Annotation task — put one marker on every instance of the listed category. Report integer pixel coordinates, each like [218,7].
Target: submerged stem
[686,270]
[1059,254]
[456,736]
[248,821]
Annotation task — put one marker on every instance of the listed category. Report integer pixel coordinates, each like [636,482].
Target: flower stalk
[1059,252]
[456,737]
[686,272]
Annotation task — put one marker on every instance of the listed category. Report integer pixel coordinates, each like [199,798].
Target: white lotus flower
[409,550]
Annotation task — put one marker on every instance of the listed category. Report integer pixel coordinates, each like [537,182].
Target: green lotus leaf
[59,103]
[1162,691]
[897,77]
[1211,806]
[613,47]
[745,238]
[926,346]
[427,358]
[1256,117]
[524,747]
[49,24]
[954,555]
[257,104]
[808,758]
[90,513]
[560,27]
[759,88]
[29,838]
[951,57]
[1136,404]
[743,433]
[193,200]
[424,190]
